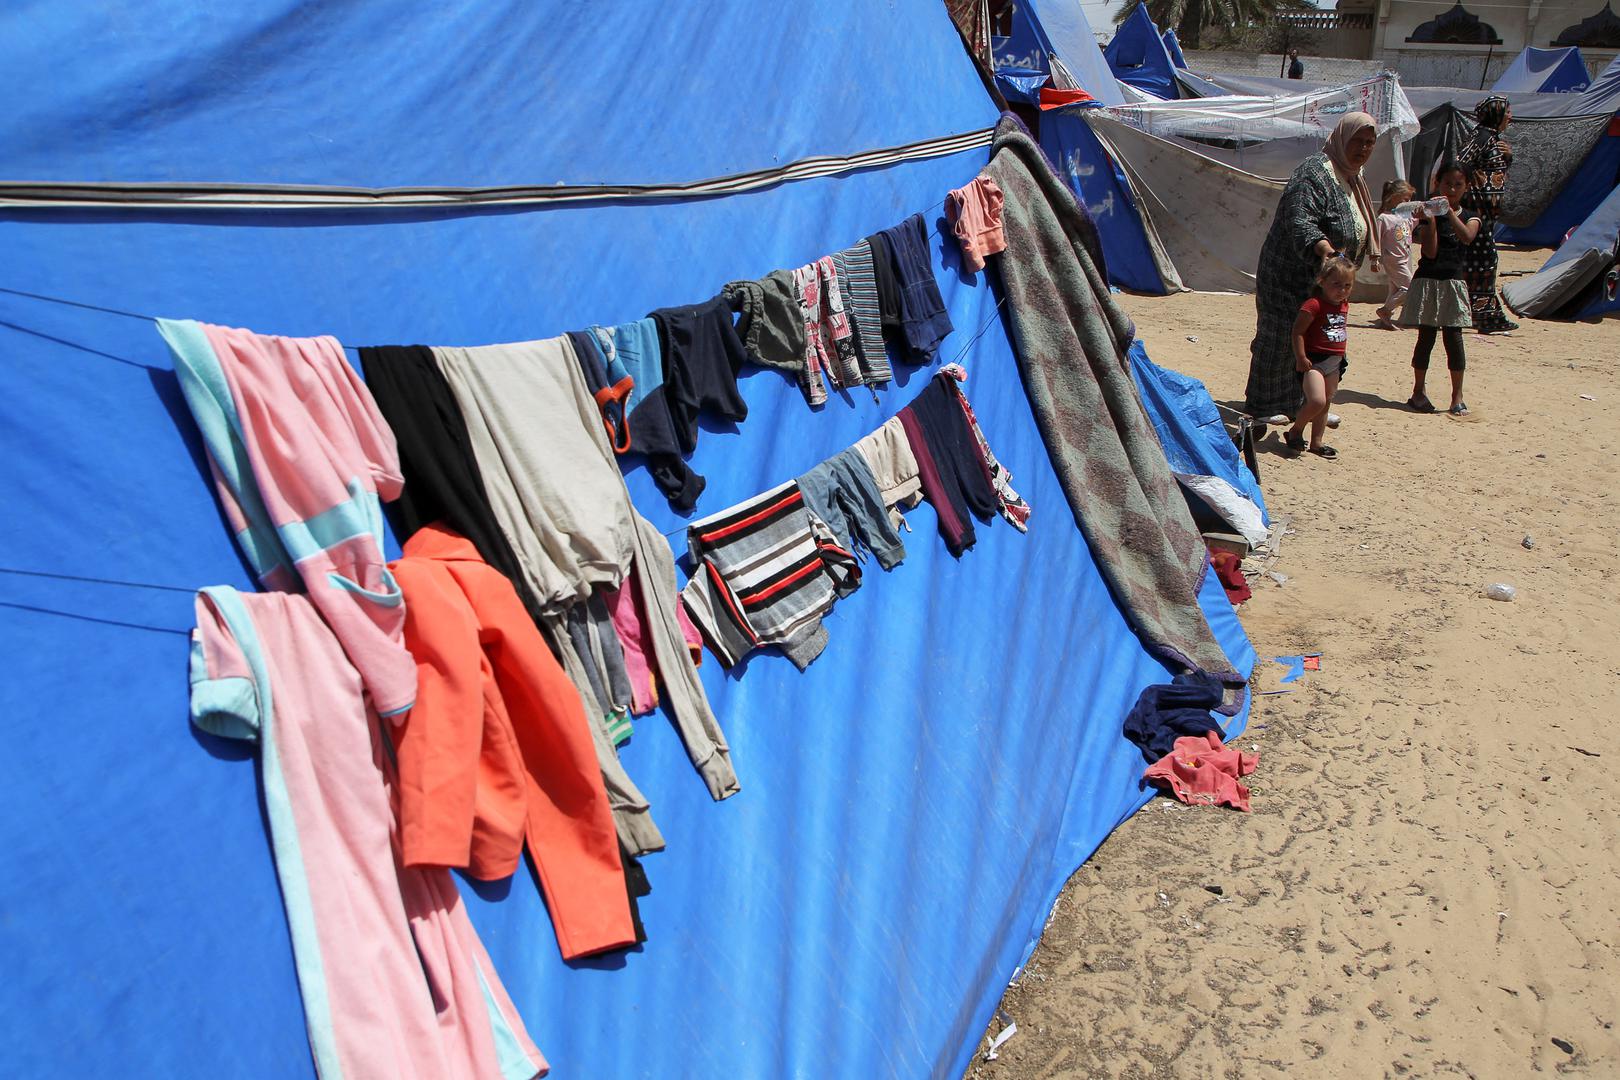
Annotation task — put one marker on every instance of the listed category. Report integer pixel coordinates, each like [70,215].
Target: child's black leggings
[1453,338]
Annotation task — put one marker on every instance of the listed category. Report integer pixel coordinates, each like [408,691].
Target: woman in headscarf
[1489,158]
[1325,209]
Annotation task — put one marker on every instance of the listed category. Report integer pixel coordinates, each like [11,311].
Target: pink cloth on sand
[1202,771]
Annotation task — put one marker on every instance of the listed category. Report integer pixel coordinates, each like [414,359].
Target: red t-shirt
[1327,330]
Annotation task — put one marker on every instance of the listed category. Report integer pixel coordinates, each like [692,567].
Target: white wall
[1528,22]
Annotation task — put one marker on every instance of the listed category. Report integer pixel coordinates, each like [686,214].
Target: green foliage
[1232,18]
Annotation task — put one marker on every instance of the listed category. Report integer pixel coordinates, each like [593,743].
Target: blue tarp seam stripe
[198,196]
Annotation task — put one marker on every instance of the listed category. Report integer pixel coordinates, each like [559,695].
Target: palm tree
[1192,17]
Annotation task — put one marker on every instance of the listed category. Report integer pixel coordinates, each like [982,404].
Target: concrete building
[1464,42]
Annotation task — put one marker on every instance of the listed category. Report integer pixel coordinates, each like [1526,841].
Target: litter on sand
[1002,1036]
[1294,668]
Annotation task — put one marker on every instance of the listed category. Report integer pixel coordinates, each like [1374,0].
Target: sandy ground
[1429,884]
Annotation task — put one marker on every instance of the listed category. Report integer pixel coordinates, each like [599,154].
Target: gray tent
[1582,279]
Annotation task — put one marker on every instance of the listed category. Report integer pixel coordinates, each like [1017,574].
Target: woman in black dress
[1488,155]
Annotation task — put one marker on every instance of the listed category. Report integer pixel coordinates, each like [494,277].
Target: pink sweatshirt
[300,454]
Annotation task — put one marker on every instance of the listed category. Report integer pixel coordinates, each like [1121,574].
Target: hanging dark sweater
[888,290]
[924,321]
[949,464]
[701,357]
[1167,711]
[442,481]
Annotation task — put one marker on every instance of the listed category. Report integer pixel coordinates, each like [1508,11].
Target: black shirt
[1448,259]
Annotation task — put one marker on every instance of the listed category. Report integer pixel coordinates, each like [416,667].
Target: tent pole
[1490,52]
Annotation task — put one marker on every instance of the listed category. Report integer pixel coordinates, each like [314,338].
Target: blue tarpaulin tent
[1172,45]
[910,805]
[1137,55]
[1064,25]
[1082,160]
[1190,428]
[1021,59]
[1582,278]
[1545,71]
[1059,28]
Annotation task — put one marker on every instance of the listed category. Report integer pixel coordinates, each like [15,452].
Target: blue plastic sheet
[1600,232]
[1172,45]
[1017,84]
[1064,25]
[1190,426]
[911,805]
[1545,71]
[1093,175]
[1137,55]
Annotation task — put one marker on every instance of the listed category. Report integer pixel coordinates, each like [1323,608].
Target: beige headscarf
[1337,150]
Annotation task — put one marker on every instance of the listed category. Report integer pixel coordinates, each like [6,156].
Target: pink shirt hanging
[974,212]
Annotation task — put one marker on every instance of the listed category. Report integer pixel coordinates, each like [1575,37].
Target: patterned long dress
[1313,207]
[1490,158]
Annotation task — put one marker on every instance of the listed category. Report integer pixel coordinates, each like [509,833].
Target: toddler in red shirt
[1319,338]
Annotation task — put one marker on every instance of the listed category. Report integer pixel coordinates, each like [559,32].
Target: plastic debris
[1193,338]
[1527,543]
[1001,1037]
[1501,590]
[1588,397]
[1216,889]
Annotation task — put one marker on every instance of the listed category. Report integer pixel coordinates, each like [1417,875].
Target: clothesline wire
[977,334]
[925,213]
[96,580]
[19,571]
[78,304]
[347,348]
[94,618]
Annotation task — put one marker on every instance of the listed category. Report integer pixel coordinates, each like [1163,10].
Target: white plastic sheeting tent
[1206,174]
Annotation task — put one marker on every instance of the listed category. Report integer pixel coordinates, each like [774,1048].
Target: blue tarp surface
[1545,71]
[1025,49]
[1599,232]
[1137,55]
[910,806]
[1093,175]
[1064,25]
[1172,45]
[1190,427]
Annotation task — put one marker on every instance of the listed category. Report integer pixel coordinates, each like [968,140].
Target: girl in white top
[1394,256]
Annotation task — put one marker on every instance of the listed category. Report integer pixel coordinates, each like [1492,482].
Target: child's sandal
[1459,409]
[1295,443]
[1324,452]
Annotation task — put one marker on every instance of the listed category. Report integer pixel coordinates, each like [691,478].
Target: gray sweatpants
[842,492]
[558,494]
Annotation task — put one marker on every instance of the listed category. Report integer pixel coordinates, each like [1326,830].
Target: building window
[1601,31]
[1457,26]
